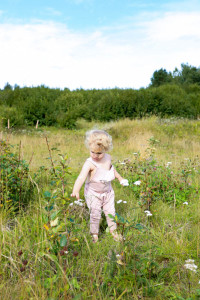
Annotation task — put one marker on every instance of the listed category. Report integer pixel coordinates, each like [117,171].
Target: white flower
[119,201]
[54,222]
[189,261]
[148,213]
[186,203]
[71,204]
[191,267]
[124,201]
[122,163]
[135,153]
[168,164]
[78,203]
[124,182]
[138,182]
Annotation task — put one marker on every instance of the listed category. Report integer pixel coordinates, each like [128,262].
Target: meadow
[46,251]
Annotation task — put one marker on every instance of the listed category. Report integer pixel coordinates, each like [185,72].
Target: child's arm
[80,180]
[119,177]
[122,181]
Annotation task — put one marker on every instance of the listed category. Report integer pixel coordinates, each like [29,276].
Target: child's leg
[94,205]
[109,208]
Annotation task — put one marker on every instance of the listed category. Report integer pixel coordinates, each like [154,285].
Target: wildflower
[71,204]
[122,163]
[73,239]
[135,153]
[168,164]
[120,259]
[20,253]
[189,261]
[25,262]
[190,265]
[148,213]
[75,253]
[138,182]
[22,269]
[119,201]
[46,227]
[54,222]
[124,182]
[78,203]
[124,201]
[62,252]
[186,203]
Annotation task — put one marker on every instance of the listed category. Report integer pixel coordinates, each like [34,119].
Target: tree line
[169,94]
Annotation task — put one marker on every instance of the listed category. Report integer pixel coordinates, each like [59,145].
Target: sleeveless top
[101,180]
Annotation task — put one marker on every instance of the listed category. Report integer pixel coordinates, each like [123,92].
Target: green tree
[161,77]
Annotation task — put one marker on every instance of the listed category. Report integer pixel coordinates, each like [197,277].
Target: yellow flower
[46,227]
[119,262]
[74,239]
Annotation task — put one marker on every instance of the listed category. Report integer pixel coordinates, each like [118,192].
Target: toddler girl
[98,173]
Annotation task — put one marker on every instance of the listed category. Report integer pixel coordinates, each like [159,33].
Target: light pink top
[101,180]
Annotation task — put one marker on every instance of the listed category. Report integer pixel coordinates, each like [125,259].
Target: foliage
[48,253]
[160,77]
[153,182]
[15,186]
[169,94]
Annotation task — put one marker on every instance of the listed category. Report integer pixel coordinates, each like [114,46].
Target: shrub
[15,186]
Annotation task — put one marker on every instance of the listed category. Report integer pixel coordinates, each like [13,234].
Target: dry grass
[175,142]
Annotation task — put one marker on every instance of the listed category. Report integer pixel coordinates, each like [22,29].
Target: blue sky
[95,43]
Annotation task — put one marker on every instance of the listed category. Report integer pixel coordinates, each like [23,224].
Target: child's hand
[124,182]
[75,195]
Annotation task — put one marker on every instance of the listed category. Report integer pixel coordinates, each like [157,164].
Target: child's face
[96,155]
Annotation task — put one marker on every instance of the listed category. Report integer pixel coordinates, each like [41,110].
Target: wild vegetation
[46,251]
[169,94]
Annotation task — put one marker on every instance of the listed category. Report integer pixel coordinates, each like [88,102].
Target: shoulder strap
[90,160]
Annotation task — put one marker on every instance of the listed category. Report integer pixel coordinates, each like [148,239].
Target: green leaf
[139,226]
[54,214]
[63,241]
[75,284]
[47,194]
[49,208]
[111,216]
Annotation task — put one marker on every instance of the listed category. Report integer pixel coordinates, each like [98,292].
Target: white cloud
[53,12]
[174,26]
[51,54]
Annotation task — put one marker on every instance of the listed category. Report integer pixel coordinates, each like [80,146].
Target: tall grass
[149,263]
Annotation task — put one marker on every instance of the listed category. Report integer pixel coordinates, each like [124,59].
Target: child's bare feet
[95,238]
[117,237]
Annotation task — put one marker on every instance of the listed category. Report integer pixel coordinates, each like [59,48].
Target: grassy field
[46,251]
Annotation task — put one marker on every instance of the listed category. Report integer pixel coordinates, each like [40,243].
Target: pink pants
[95,202]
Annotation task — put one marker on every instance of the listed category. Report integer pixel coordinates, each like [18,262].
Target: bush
[13,114]
[15,186]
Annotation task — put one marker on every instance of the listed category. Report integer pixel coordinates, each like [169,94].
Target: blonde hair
[98,140]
